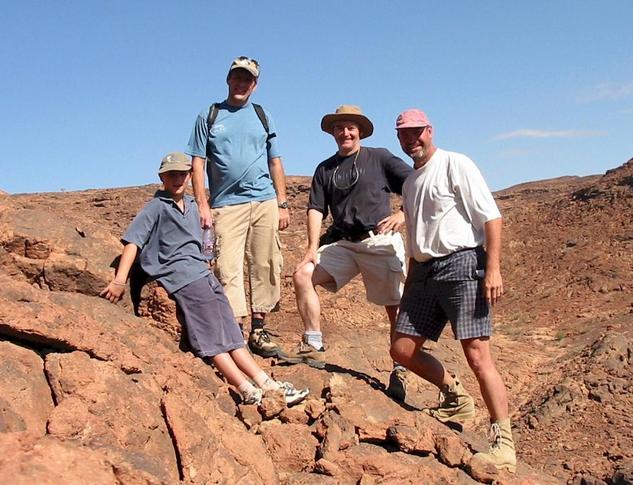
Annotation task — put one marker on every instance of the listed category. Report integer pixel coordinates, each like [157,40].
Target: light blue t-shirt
[238,169]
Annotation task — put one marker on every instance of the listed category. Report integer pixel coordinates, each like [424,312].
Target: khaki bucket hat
[348,112]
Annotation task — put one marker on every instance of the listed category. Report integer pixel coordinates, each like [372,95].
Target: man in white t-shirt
[451,216]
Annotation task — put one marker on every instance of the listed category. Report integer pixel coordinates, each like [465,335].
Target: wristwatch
[283,205]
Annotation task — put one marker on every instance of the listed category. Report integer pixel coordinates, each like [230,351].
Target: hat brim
[365,126]
[175,167]
[413,124]
[249,69]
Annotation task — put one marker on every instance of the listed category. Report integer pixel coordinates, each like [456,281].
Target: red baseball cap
[412,118]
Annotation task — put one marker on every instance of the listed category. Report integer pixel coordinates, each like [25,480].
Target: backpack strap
[213,114]
[262,117]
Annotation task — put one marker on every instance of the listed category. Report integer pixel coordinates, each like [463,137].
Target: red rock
[412,439]
[292,446]
[25,398]
[273,403]
[212,448]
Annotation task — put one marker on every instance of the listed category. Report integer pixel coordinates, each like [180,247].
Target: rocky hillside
[88,389]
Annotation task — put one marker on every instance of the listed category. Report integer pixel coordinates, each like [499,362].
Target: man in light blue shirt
[237,142]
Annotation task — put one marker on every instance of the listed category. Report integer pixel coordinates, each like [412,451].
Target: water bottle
[208,243]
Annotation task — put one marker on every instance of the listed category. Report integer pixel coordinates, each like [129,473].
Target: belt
[442,258]
[357,237]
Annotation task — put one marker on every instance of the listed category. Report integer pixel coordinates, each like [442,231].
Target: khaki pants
[249,231]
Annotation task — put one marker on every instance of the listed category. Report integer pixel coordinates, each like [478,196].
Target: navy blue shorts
[446,289]
[209,320]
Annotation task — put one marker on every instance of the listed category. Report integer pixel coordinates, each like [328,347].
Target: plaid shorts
[446,289]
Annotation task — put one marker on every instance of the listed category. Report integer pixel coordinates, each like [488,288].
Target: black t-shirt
[357,194]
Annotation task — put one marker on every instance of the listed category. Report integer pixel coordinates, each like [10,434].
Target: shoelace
[263,335]
[495,436]
[287,387]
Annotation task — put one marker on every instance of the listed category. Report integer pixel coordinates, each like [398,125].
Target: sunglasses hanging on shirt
[344,180]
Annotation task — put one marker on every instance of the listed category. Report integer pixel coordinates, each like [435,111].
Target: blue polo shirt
[170,241]
[238,169]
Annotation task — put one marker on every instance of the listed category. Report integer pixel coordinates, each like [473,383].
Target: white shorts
[380,259]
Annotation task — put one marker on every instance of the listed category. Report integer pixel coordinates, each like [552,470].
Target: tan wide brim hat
[347,112]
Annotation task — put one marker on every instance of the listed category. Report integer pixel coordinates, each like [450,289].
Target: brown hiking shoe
[260,343]
[455,404]
[304,354]
[501,453]
[397,388]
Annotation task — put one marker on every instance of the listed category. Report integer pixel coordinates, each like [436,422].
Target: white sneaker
[293,395]
[254,397]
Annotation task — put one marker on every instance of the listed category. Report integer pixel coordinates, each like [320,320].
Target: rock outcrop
[110,392]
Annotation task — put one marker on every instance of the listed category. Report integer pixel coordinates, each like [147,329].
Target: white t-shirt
[446,204]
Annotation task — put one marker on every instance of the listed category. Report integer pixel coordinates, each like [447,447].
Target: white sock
[246,388]
[264,381]
[313,338]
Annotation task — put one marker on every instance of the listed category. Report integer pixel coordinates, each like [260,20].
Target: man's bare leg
[493,390]
[305,282]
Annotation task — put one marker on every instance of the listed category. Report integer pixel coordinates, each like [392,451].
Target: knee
[396,354]
[401,351]
[303,276]
[479,363]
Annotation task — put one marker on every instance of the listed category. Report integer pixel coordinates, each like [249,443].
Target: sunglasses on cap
[245,61]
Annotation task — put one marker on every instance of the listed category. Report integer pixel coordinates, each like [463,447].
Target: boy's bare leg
[245,362]
[229,369]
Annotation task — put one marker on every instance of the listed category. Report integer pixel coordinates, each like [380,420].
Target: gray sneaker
[260,343]
[304,354]
[397,388]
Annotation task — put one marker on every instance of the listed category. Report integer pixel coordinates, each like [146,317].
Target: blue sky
[93,94]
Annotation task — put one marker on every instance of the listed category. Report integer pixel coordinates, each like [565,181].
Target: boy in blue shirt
[168,234]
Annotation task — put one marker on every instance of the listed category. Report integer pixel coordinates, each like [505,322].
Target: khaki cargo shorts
[380,259]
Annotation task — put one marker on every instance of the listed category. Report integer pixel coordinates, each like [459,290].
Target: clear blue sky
[92,94]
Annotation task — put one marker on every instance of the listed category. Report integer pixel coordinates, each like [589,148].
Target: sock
[246,388]
[399,367]
[257,323]
[313,338]
[265,382]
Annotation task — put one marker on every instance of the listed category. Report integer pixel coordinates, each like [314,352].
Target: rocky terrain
[91,393]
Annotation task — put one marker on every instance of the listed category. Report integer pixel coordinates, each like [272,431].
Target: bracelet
[118,284]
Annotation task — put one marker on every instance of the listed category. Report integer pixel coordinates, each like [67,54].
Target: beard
[417,153]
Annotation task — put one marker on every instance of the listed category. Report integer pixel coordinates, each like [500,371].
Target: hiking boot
[397,388]
[293,395]
[254,397]
[260,343]
[455,404]
[304,354]
[501,453]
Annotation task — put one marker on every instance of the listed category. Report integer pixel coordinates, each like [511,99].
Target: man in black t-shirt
[354,186]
